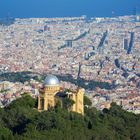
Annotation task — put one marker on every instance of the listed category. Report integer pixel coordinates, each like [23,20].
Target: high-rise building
[131,43]
[138,18]
[68,43]
[46,28]
[125,44]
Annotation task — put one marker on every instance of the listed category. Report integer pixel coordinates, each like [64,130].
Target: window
[42,103]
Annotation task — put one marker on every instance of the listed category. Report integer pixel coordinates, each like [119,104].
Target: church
[52,90]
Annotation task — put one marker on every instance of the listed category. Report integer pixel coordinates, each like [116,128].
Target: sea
[67,8]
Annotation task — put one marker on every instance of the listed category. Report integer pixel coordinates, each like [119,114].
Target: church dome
[51,80]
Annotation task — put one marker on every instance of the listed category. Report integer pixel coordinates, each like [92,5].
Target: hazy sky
[54,8]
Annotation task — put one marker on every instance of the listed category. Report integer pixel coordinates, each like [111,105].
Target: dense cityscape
[100,55]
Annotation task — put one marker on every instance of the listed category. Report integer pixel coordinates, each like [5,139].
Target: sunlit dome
[51,80]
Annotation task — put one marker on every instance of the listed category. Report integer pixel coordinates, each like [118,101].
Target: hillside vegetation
[21,121]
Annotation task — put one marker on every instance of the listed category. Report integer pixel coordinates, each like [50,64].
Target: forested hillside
[21,121]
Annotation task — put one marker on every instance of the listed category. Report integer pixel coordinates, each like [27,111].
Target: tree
[67,103]
[21,121]
[87,101]
[5,134]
